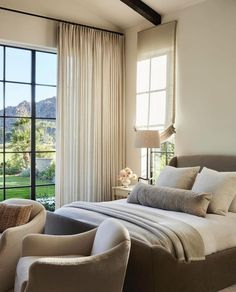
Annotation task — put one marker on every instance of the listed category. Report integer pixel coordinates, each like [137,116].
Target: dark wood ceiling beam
[144,10]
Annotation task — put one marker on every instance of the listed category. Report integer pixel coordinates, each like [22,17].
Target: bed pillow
[12,215]
[179,178]
[222,185]
[170,199]
[232,207]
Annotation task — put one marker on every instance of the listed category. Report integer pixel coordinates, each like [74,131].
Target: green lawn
[15,180]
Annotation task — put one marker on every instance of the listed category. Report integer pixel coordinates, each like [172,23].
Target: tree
[20,137]
[20,140]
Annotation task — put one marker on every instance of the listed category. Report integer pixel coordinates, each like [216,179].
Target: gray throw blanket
[179,238]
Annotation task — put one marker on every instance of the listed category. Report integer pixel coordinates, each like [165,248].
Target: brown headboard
[216,162]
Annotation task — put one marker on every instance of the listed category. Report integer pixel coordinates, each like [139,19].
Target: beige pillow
[179,178]
[232,207]
[222,185]
[170,199]
[12,215]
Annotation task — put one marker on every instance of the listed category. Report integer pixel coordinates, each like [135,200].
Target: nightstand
[121,192]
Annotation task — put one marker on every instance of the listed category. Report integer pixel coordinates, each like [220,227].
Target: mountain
[45,108]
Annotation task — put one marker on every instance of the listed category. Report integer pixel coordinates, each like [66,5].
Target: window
[151,107]
[27,123]
[151,93]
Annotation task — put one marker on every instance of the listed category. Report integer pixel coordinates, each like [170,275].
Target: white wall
[206,72]
[37,32]
[26,30]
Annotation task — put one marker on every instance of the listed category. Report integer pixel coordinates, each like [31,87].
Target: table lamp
[147,139]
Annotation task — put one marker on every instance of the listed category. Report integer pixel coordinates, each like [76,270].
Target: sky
[18,69]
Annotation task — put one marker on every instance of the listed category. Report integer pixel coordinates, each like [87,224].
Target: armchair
[92,261]
[11,242]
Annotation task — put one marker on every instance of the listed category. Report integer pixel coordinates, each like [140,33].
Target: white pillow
[222,185]
[179,178]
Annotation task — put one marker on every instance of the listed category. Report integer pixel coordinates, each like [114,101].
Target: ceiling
[111,14]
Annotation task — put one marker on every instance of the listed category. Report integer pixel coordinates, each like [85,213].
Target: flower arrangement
[126,176]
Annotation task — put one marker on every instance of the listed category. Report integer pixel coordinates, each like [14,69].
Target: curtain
[90,113]
[156,41]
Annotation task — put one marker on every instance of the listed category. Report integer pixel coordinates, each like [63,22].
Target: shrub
[11,170]
[25,172]
[48,173]
[47,202]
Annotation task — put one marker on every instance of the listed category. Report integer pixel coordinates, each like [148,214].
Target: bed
[152,268]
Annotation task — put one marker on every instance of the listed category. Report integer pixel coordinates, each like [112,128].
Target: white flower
[127,173]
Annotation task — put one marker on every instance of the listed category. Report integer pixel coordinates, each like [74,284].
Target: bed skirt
[153,269]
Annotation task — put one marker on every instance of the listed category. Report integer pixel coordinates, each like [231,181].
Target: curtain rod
[57,19]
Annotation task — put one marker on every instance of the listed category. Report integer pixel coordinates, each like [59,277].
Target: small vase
[126,182]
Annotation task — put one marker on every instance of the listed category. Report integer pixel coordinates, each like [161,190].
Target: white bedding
[218,232]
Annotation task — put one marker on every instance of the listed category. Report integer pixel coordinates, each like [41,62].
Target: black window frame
[33,152]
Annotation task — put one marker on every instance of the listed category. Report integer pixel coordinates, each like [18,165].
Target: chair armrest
[16,234]
[106,272]
[55,245]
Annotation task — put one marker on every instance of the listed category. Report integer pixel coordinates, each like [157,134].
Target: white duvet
[218,232]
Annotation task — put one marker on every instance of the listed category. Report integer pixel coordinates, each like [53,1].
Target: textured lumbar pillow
[170,199]
[222,185]
[12,215]
[179,178]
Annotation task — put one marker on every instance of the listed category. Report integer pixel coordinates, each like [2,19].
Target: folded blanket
[179,238]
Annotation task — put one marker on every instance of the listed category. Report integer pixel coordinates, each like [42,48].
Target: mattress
[217,232]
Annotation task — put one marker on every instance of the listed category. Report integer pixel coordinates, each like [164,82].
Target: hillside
[45,109]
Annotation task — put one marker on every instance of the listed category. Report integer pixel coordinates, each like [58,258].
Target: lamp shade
[147,139]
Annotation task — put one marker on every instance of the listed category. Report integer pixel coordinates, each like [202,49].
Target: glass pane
[143,72]
[157,108]
[46,196]
[45,168]
[1,99]
[45,135]
[142,110]
[158,73]
[1,134]
[18,65]
[1,170]
[18,134]
[1,63]
[45,102]
[18,98]
[161,158]
[46,68]
[1,195]
[23,193]
[17,169]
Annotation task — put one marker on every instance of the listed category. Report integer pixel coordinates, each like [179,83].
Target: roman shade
[157,41]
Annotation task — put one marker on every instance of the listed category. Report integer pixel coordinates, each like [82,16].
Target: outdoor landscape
[17,146]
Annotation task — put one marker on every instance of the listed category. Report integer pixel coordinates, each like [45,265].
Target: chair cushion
[12,215]
[22,270]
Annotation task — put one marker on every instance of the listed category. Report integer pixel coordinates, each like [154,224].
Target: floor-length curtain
[90,113]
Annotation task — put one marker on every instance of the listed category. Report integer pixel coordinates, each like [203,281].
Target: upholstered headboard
[216,162]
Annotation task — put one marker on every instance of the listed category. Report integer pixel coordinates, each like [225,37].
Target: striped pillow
[12,215]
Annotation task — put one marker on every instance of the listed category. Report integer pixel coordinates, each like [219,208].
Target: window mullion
[149,91]
[4,124]
[33,114]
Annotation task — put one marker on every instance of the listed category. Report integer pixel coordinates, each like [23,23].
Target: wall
[206,70]
[26,30]
[37,32]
